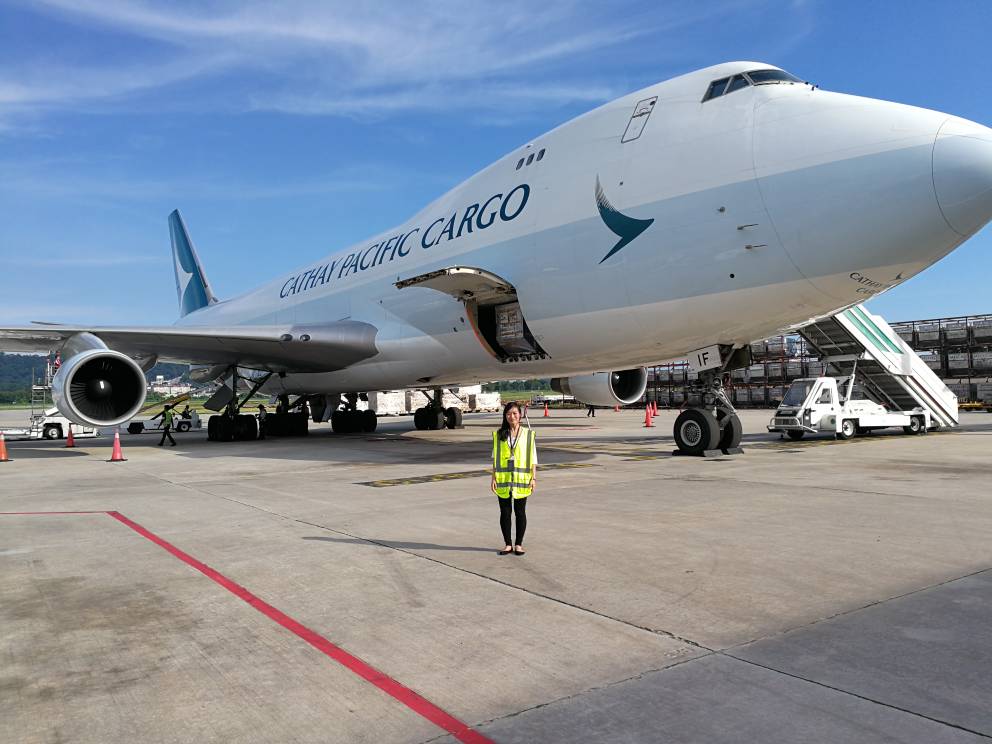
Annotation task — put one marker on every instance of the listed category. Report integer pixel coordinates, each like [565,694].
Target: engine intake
[96,386]
[605,388]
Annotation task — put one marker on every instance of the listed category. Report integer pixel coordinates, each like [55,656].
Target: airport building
[958,349]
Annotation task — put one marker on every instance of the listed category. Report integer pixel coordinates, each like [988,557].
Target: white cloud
[331,58]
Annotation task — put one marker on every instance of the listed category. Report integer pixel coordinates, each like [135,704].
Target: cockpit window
[723,86]
[716,89]
[736,83]
[762,77]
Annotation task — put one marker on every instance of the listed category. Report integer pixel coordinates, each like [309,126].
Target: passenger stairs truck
[876,381]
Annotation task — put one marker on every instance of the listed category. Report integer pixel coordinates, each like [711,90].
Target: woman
[514,470]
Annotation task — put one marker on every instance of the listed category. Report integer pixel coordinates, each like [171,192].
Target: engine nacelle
[96,386]
[605,388]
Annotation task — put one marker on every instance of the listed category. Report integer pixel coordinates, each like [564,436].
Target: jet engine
[605,388]
[96,386]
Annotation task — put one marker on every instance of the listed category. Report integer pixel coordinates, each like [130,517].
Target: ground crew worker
[262,413]
[514,475]
[168,416]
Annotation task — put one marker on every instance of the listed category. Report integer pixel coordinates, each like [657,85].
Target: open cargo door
[492,306]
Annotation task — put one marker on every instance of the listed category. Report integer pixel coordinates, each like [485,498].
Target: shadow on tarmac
[398,544]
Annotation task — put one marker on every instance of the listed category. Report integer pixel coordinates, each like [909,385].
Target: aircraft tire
[794,435]
[369,421]
[452,417]
[696,431]
[338,423]
[420,419]
[435,419]
[731,433]
[301,425]
[245,428]
[224,429]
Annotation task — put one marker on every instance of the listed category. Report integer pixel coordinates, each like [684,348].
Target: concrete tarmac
[347,588]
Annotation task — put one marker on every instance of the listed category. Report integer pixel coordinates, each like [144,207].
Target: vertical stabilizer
[191,283]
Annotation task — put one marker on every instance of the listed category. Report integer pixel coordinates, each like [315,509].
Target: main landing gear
[232,425]
[709,426]
[433,417]
[350,420]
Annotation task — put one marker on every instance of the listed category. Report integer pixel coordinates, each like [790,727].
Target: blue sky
[284,131]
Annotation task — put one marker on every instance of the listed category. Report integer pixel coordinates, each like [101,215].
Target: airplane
[729,204]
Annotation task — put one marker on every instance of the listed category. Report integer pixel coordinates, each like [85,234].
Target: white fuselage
[772,205]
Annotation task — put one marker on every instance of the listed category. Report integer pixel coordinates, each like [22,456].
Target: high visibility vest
[168,417]
[515,480]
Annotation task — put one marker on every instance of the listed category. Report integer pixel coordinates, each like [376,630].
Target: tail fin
[191,283]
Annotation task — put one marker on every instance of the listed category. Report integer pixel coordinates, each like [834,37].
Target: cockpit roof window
[763,77]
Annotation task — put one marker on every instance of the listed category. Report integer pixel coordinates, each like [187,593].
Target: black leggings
[519,506]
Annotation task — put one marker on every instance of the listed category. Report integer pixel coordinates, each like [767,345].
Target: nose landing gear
[709,425]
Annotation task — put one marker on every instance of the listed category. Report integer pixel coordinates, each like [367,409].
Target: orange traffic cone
[3,449]
[647,417]
[546,414]
[654,408]
[117,455]
[70,441]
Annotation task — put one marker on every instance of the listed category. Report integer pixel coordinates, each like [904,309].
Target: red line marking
[384,682]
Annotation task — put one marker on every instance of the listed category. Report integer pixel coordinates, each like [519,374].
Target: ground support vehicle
[50,424]
[817,405]
[193,423]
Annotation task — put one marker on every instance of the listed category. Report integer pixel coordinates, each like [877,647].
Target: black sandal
[519,552]
[503,552]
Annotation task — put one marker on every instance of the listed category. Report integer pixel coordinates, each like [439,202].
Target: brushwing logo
[627,228]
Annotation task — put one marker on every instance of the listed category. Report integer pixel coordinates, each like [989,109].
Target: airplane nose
[962,174]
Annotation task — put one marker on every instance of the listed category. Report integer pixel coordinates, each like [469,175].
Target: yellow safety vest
[515,480]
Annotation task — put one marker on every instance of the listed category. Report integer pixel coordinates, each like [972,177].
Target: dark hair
[504,428]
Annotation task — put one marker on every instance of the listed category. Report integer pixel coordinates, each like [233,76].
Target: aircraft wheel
[301,425]
[794,435]
[847,429]
[452,417]
[731,433]
[915,425]
[420,418]
[369,421]
[224,429]
[435,419]
[696,431]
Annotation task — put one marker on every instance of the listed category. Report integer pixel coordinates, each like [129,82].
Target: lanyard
[513,442]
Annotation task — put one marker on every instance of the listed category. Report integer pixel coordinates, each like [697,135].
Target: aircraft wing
[317,347]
